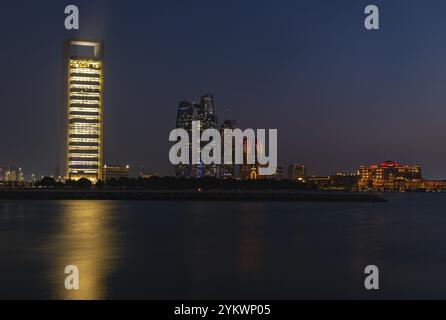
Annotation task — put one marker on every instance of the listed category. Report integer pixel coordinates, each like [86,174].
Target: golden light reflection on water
[250,252]
[85,239]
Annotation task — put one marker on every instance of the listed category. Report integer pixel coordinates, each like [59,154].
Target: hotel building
[82,103]
[388,176]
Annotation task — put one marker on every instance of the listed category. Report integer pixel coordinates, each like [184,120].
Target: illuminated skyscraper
[82,103]
[207,114]
[208,118]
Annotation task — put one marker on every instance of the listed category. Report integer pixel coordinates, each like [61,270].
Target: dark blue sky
[339,95]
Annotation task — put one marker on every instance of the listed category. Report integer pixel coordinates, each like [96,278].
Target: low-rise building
[318,181]
[115,172]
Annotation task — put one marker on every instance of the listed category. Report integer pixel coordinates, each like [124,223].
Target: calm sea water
[224,250]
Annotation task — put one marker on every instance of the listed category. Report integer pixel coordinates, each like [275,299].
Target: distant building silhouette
[296,172]
[12,176]
[320,182]
[278,175]
[186,114]
[228,170]
[145,175]
[115,171]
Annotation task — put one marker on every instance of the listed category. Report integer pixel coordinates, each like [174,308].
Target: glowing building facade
[82,112]
[388,176]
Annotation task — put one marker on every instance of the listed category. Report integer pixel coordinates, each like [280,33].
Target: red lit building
[388,176]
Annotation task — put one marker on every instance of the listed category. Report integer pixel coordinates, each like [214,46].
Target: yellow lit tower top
[82,111]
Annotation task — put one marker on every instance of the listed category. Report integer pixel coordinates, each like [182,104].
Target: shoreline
[187,195]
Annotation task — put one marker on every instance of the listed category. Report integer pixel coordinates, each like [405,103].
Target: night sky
[340,96]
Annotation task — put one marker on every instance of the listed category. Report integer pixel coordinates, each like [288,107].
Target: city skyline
[375,96]
[185,152]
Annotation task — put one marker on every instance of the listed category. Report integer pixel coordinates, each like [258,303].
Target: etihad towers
[205,113]
[82,110]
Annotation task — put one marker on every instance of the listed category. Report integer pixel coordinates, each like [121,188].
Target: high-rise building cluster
[205,112]
[12,174]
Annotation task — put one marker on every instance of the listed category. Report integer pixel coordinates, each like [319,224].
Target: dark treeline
[171,183]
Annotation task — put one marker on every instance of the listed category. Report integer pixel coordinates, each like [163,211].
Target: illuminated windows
[83,91]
